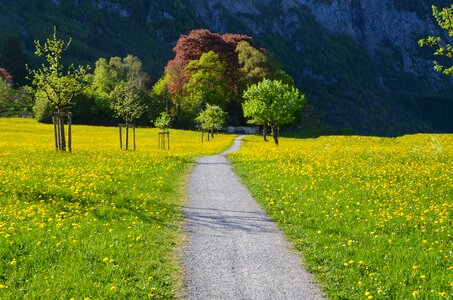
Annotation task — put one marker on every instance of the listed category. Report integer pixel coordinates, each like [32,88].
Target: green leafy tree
[127,101]
[6,95]
[160,99]
[444,18]
[272,103]
[15,102]
[212,118]
[55,83]
[108,74]
[207,82]
[163,122]
[254,64]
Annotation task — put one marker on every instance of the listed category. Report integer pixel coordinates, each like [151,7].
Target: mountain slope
[357,60]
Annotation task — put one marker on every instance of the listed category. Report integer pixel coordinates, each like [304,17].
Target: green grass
[372,217]
[99,223]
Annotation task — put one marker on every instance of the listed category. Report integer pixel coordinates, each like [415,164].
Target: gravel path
[234,251]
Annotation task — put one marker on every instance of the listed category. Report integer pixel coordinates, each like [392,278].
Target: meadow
[371,217]
[96,223]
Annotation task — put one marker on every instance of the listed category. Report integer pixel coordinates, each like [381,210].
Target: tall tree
[207,82]
[254,63]
[55,83]
[272,103]
[6,92]
[108,74]
[444,18]
[191,47]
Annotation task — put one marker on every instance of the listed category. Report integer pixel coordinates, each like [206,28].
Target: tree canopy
[444,18]
[212,118]
[189,51]
[207,82]
[54,83]
[163,121]
[272,103]
[127,101]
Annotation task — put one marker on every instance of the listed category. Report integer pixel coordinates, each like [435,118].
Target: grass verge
[371,216]
[97,223]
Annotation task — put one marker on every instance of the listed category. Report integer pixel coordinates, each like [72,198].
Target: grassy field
[372,217]
[98,223]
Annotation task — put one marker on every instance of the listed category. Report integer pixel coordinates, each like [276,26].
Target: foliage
[191,48]
[127,100]
[51,81]
[254,64]
[212,118]
[272,103]
[6,77]
[108,229]
[15,102]
[6,93]
[163,121]
[160,98]
[444,18]
[370,216]
[107,75]
[207,82]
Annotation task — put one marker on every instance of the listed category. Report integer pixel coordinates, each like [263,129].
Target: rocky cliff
[370,23]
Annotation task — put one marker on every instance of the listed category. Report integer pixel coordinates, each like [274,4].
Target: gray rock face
[369,22]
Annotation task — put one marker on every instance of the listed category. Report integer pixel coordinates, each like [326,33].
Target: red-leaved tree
[192,46]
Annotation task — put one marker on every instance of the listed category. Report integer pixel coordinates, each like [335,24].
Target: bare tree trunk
[55,131]
[275,132]
[121,136]
[61,132]
[127,137]
[265,133]
[134,136]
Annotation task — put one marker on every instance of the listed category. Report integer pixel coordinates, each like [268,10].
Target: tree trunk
[265,133]
[212,133]
[127,137]
[61,132]
[275,134]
